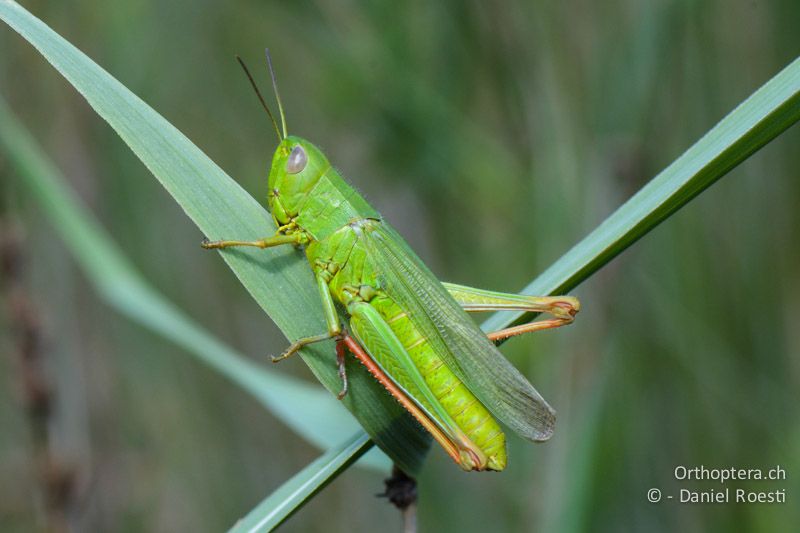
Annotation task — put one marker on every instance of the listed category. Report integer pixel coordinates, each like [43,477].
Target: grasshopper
[411,331]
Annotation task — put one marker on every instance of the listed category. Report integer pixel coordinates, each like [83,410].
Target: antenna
[277,94]
[261,99]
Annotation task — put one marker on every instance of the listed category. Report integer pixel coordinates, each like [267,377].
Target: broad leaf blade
[298,490]
[763,116]
[278,279]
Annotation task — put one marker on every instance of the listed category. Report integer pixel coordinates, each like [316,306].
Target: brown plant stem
[55,479]
[401,491]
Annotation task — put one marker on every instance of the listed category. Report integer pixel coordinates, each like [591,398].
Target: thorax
[342,258]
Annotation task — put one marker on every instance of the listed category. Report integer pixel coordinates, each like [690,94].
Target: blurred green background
[493,138]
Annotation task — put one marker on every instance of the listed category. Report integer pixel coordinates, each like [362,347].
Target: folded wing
[459,342]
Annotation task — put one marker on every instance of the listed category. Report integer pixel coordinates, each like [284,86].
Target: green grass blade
[298,490]
[278,279]
[308,410]
[763,116]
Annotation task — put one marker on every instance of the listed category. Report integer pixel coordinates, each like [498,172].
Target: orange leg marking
[526,328]
[401,397]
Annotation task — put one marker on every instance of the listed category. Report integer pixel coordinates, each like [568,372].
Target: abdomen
[467,411]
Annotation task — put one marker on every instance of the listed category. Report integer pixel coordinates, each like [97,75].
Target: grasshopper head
[296,167]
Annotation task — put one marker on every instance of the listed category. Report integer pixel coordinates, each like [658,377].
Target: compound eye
[297,160]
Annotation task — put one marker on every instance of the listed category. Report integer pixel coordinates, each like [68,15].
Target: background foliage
[493,140]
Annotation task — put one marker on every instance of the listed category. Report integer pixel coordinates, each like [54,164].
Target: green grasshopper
[410,331]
